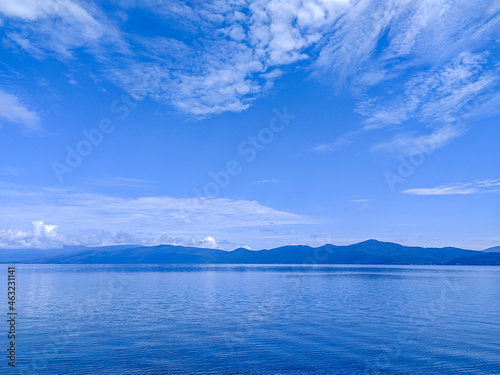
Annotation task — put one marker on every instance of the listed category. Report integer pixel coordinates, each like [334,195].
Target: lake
[238,319]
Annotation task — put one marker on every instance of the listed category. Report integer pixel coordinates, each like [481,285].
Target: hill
[495,249]
[367,252]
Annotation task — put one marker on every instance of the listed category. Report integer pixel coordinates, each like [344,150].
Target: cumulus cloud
[232,65]
[45,236]
[208,242]
[234,60]
[41,236]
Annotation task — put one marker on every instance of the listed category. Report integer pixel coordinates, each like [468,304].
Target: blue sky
[258,124]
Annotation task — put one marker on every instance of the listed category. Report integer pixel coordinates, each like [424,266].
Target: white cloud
[438,95]
[57,26]
[237,50]
[268,181]
[107,180]
[233,61]
[447,99]
[336,145]
[40,236]
[442,190]
[14,111]
[411,144]
[226,74]
[100,237]
[23,9]
[78,214]
[208,242]
[210,91]
[44,236]
[354,39]
[373,37]
[476,187]
[420,57]
[34,9]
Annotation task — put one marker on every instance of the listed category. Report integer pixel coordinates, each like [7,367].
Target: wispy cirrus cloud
[476,187]
[412,143]
[366,200]
[392,38]
[116,181]
[435,96]
[268,181]
[418,66]
[12,110]
[337,144]
[443,101]
[57,27]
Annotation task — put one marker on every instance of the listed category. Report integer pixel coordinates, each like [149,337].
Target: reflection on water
[147,319]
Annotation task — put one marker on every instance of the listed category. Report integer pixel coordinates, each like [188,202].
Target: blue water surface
[237,319]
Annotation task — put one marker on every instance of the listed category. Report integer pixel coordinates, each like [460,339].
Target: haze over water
[95,319]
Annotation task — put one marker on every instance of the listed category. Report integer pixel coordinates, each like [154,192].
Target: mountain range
[367,252]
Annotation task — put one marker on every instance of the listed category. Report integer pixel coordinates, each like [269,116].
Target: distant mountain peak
[372,241]
[495,249]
